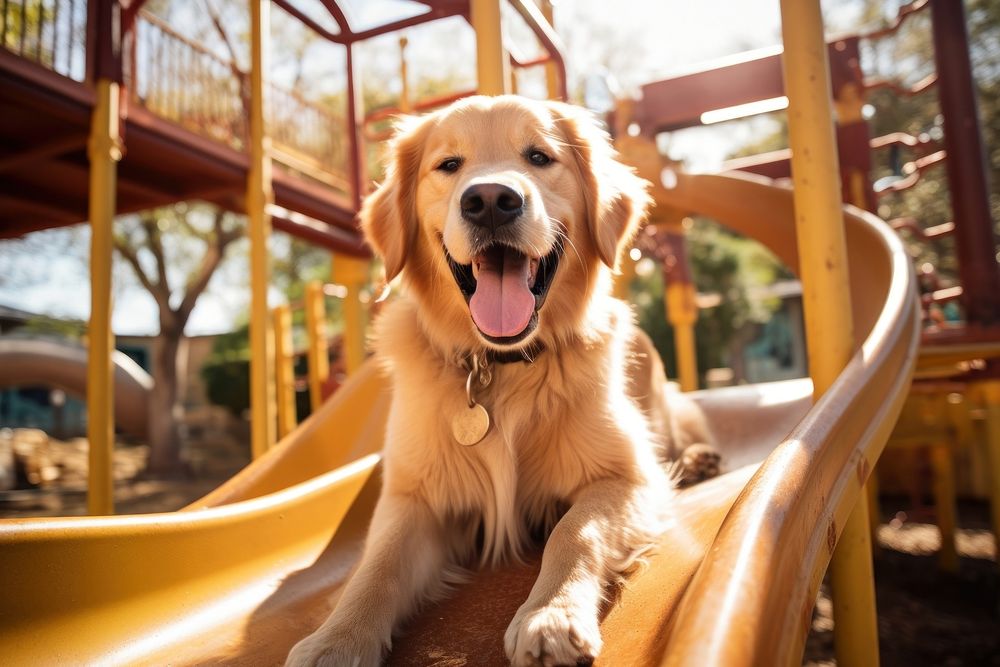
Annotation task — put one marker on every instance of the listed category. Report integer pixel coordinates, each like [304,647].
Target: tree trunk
[165,410]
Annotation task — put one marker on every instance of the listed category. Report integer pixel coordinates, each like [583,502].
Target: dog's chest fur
[557,423]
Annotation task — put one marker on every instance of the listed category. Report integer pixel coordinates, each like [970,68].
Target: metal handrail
[51,34]
[182,80]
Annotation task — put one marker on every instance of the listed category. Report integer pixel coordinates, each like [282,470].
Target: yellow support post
[988,394]
[551,76]
[353,274]
[623,279]
[828,318]
[404,77]
[284,352]
[850,104]
[874,510]
[104,150]
[944,504]
[492,65]
[319,359]
[259,196]
[682,312]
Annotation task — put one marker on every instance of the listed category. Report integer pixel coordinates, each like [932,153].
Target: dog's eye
[538,158]
[450,165]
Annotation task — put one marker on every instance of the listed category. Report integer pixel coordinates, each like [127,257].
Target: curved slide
[241,575]
[51,363]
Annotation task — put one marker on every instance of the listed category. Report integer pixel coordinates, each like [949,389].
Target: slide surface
[241,575]
[50,363]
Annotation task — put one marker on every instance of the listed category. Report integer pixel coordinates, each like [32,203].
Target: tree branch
[159,292]
[210,262]
[151,225]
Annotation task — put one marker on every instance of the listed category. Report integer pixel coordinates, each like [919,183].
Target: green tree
[173,252]
[726,264]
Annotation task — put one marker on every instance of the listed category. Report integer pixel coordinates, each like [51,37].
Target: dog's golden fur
[581,435]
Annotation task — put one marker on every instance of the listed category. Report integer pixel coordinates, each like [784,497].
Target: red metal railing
[52,33]
[180,80]
[308,138]
[183,81]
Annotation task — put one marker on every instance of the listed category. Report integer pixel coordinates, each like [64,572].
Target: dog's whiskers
[561,233]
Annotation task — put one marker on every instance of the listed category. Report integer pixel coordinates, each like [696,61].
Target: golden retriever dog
[525,401]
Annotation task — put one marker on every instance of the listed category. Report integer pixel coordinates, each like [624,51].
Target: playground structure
[958,362]
[64,366]
[249,569]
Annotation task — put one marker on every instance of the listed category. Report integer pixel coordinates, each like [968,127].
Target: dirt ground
[59,468]
[926,616]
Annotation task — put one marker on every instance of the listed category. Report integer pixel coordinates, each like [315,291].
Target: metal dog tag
[470,425]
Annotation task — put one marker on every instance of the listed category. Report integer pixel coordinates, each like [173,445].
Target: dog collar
[489,357]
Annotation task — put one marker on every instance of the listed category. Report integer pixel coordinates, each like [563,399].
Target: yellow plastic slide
[241,575]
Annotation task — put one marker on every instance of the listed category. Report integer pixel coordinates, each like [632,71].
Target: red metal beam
[548,38]
[319,233]
[355,121]
[338,15]
[311,24]
[432,15]
[975,243]
[679,102]
[104,40]
[48,150]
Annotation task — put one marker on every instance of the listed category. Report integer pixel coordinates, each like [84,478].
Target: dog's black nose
[491,205]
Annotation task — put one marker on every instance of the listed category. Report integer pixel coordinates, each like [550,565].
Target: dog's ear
[389,215]
[616,199]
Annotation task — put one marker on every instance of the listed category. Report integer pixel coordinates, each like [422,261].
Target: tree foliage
[723,263]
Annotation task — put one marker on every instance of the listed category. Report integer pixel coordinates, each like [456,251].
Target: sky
[638,41]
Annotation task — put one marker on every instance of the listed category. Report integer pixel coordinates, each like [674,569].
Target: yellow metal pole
[829,327]
[849,104]
[551,76]
[491,60]
[319,360]
[989,398]
[682,312]
[679,294]
[944,504]
[404,93]
[104,150]
[352,273]
[284,352]
[623,279]
[259,195]
[874,510]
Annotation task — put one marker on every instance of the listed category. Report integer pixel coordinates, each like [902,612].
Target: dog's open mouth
[505,288]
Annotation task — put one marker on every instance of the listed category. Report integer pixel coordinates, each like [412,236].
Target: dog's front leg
[402,560]
[558,623]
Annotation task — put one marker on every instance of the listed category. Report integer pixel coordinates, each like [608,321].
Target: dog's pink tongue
[503,303]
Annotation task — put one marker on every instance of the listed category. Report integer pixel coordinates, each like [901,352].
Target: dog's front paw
[556,634]
[332,649]
[698,463]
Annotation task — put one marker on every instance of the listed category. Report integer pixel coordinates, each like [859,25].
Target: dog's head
[501,213]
